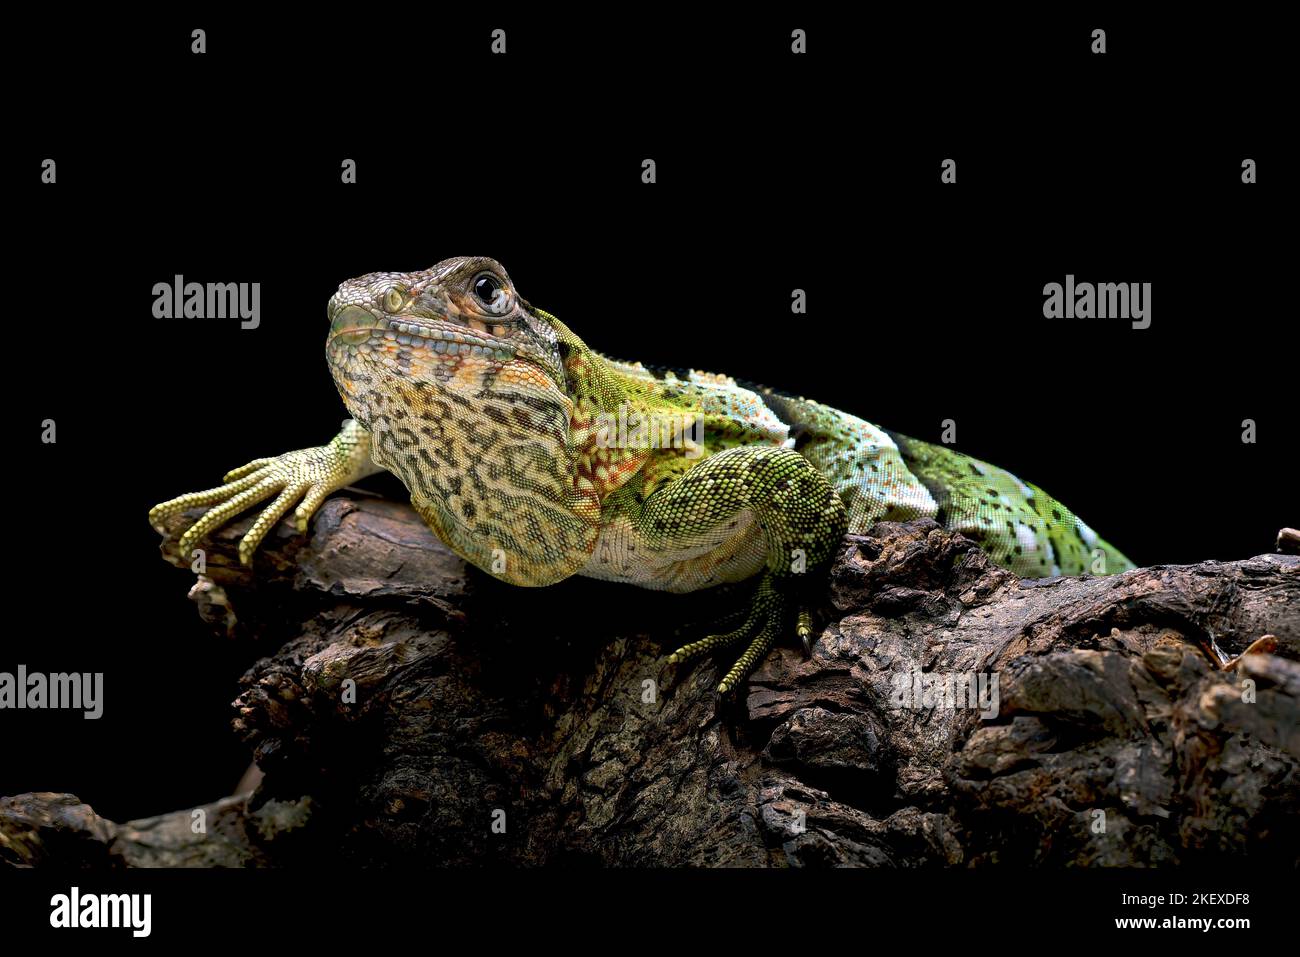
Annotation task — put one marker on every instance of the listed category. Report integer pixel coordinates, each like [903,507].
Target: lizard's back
[879,475]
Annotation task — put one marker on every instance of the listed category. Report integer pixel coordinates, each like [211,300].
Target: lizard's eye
[492,293]
[393,300]
[486,288]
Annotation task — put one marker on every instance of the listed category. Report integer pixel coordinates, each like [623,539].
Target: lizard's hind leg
[859,460]
[799,516]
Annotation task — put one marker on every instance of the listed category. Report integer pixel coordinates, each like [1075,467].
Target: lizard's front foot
[308,475]
[767,615]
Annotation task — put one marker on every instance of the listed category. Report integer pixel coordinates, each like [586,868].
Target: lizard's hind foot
[766,615]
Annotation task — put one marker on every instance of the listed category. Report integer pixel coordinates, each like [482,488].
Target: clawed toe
[803,628]
[764,621]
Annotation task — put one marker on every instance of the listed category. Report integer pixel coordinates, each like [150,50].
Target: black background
[774,172]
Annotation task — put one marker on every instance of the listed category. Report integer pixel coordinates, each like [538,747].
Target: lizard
[536,458]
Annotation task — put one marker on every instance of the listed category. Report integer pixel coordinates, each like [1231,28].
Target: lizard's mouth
[357,330]
[358,335]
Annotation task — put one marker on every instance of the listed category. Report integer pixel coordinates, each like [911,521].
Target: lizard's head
[459,329]
[462,387]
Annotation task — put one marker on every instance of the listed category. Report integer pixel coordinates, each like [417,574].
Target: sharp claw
[804,630]
[762,623]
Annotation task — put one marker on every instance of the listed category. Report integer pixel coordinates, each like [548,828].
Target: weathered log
[415,710]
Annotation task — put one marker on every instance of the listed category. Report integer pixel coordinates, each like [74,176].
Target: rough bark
[1119,739]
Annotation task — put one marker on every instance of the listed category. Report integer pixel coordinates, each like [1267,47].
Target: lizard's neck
[589,380]
[601,400]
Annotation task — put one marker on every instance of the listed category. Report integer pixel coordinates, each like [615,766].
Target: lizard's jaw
[357,331]
[449,355]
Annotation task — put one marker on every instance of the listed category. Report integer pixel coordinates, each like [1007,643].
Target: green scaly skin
[535,458]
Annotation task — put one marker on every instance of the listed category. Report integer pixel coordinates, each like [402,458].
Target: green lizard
[535,458]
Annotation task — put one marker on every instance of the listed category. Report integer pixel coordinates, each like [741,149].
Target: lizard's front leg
[306,474]
[798,514]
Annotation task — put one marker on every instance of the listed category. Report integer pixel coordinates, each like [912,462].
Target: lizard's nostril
[352,325]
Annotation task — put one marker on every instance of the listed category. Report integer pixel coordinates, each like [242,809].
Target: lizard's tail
[882,475]
[1017,523]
